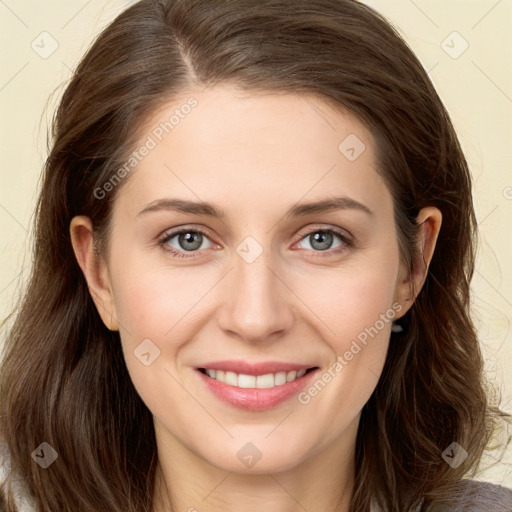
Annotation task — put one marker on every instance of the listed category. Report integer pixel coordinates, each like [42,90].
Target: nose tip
[256,308]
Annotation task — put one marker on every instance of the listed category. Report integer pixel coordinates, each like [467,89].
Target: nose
[258,307]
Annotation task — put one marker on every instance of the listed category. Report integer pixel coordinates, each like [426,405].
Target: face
[263,292]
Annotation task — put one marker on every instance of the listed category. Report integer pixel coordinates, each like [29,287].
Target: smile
[255,386]
[269,380]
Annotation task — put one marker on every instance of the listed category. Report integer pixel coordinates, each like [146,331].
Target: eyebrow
[297,210]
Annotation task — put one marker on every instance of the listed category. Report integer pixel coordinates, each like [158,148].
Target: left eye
[191,240]
[322,239]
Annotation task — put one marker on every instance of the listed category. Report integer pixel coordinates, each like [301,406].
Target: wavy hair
[63,375]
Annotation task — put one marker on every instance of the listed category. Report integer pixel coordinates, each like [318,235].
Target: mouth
[265,381]
[255,387]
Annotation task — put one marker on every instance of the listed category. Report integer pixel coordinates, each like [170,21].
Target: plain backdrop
[466,46]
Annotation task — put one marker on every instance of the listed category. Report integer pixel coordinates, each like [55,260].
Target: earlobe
[94,269]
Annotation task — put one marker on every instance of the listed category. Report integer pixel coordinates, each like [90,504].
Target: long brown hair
[63,377]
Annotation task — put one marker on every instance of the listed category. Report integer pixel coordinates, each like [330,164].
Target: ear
[94,269]
[410,283]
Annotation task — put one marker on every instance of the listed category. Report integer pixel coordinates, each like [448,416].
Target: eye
[321,240]
[186,241]
[183,243]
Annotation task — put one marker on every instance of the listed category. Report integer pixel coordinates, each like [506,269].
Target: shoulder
[473,496]
[468,496]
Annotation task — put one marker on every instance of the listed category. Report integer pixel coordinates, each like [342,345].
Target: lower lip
[256,399]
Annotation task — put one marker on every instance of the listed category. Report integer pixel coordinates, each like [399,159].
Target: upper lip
[255,368]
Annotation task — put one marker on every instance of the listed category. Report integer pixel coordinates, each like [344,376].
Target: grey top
[473,496]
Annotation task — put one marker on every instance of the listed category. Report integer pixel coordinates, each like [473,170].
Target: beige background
[474,82]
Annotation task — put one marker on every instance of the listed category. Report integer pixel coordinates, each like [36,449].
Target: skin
[254,156]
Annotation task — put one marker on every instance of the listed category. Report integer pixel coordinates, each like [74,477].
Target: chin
[249,459]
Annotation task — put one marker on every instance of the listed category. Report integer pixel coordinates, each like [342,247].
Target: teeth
[245,381]
[231,379]
[266,381]
[280,378]
[291,376]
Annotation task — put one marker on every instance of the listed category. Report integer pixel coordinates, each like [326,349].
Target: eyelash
[347,242]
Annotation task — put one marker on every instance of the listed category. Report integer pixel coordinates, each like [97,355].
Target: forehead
[252,151]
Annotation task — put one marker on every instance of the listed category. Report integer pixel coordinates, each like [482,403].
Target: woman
[312,348]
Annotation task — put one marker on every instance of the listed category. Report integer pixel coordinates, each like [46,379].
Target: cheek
[356,306]
[152,298]
[153,304]
[352,297]
[341,307]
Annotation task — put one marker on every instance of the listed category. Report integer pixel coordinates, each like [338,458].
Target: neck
[322,483]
